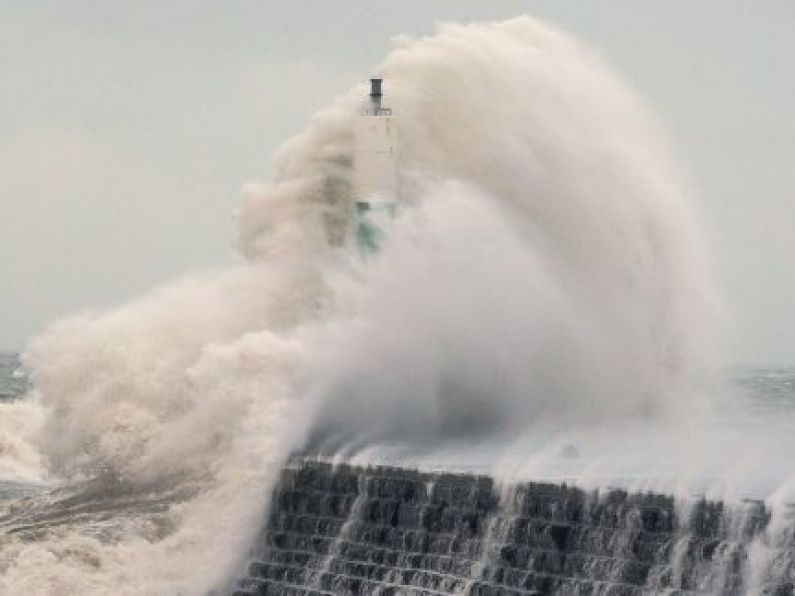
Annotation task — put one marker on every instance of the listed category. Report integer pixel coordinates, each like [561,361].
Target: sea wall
[351,530]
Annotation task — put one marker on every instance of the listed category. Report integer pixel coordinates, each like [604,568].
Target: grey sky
[127,129]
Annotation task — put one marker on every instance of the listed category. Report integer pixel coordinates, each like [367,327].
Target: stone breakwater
[354,530]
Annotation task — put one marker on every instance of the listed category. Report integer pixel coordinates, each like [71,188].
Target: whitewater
[543,307]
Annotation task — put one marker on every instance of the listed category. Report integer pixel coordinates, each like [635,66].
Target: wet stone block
[390,531]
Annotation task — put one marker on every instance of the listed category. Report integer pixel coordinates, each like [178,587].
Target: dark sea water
[13,385]
[755,418]
[755,405]
[12,380]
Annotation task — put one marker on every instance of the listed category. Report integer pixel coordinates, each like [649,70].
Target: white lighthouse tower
[374,172]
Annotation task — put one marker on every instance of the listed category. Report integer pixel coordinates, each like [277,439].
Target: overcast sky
[127,130]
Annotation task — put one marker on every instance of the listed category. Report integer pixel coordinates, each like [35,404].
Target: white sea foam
[544,271]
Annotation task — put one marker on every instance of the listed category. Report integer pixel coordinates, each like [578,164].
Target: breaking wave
[544,270]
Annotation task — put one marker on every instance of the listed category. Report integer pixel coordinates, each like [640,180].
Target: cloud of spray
[185,392]
[548,266]
[544,268]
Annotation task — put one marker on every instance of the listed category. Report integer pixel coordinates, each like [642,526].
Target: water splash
[545,269]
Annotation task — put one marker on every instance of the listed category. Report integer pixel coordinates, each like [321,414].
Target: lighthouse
[374,171]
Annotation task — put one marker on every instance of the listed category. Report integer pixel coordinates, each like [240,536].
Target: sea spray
[545,270]
[549,266]
[185,394]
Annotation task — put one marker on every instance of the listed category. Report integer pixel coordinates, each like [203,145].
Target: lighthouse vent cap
[375,108]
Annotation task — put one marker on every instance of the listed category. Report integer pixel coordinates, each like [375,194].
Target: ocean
[540,308]
[13,381]
[102,510]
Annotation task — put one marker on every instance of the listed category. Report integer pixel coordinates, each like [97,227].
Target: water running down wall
[355,530]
